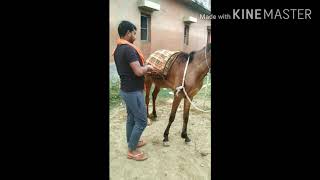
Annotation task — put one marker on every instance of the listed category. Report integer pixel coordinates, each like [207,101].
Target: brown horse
[199,66]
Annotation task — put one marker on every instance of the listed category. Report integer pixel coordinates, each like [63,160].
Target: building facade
[162,24]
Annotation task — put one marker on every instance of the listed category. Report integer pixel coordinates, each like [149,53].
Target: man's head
[127,31]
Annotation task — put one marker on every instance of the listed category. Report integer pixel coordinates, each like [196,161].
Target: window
[186,34]
[145,27]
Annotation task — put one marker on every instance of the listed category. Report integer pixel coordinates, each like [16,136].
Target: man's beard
[131,40]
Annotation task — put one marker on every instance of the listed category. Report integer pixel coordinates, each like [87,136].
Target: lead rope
[183,79]
[184,90]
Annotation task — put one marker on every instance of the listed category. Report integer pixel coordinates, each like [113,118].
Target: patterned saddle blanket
[162,60]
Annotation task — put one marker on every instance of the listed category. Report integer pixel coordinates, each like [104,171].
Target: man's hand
[149,68]
[142,70]
[152,70]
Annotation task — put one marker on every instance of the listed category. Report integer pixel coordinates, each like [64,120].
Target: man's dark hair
[124,27]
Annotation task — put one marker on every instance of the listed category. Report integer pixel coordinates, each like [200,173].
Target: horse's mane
[185,55]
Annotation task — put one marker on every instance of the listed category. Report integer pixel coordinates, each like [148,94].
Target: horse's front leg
[147,84]
[175,105]
[154,97]
[186,110]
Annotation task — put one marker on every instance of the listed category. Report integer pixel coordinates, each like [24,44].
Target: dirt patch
[178,161]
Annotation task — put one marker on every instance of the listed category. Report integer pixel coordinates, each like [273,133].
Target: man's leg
[130,118]
[137,114]
[140,118]
[130,124]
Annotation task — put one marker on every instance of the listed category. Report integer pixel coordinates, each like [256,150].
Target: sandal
[141,143]
[137,157]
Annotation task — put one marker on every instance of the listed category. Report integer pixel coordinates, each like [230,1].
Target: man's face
[132,36]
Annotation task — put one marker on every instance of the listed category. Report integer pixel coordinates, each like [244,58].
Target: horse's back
[162,60]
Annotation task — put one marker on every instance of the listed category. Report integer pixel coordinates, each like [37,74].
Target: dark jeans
[136,116]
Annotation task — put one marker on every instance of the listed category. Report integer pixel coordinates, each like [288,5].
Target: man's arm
[140,70]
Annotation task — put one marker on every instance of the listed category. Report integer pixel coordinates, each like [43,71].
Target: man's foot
[137,155]
[141,143]
[149,122]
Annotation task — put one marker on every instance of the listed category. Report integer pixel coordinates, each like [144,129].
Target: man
[129,61]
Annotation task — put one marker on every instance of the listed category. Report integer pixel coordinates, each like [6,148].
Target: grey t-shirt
[123,56]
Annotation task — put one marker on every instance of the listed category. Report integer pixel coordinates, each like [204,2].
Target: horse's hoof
[151,117]
[188,143]
[166,143]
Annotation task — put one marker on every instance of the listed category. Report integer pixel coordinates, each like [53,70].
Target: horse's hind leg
[186,110]
[175,105]
[154,97]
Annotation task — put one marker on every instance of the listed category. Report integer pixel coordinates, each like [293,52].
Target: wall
[122,10]
[167,26]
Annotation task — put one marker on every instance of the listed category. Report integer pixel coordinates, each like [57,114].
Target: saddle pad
[162,60]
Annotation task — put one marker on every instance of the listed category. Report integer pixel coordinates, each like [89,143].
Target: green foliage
[114,97]
[164,94]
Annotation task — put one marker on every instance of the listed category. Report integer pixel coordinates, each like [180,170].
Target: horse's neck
[200,66]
